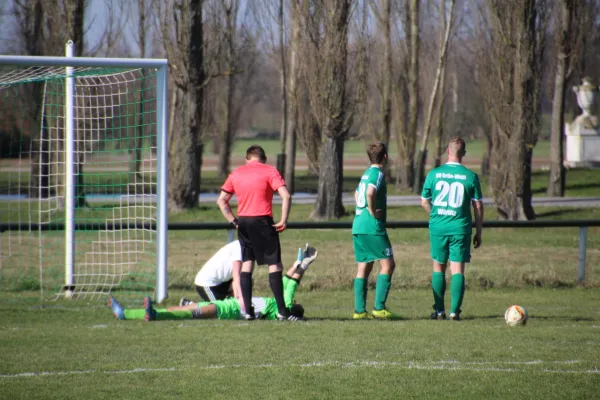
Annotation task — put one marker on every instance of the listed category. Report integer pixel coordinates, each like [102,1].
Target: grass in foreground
[80,351]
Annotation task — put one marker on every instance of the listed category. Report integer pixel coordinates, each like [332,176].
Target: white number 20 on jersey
[449,194]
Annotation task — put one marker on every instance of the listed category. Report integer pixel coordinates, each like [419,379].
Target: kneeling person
[220,275]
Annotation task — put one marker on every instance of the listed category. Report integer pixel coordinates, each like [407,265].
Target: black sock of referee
[246,286]
[276,284]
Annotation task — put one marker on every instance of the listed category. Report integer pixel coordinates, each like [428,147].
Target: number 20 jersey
[364,223]
[451,189]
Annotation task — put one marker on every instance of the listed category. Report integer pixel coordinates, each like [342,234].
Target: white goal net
[81,202]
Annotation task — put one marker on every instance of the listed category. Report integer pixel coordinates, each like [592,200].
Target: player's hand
[280,226]
[477,241]
[376,214]
[241,301]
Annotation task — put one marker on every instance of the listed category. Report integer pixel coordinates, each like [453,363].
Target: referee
[254,185]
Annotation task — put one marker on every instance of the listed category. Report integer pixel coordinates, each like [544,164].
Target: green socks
[458,292]
[438,286]
[134,313]
[161,314]
[382,288]
[360,295]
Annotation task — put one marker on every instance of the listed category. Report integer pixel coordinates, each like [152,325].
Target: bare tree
[309,135]
[445,29]
[45,27]
[181,29]
[329,101]
[408,137]
[571,18]
[511,63]
[144,26]
[383,15]
[292,98]
[230,10]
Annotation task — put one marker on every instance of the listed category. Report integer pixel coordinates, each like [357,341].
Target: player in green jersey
[370,239]
[264,307]
[447,196]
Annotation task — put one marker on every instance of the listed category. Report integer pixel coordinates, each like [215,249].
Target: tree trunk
[292,89]
[439,124]
[227,138]
[407,175]
[485,160]
[515,106]
[77,30]
[435,92]
[331,177]
[183,158]
[556,178]
[386,78]
[401,117]
[284,94]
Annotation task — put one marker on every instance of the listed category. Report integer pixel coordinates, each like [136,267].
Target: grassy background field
[579,183]
[356,148]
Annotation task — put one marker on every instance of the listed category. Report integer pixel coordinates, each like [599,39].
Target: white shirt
[219,268]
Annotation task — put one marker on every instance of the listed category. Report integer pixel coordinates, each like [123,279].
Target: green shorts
[456,248]
[368,248]
[228,308]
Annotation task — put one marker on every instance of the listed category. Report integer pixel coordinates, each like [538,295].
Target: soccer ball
[516,315]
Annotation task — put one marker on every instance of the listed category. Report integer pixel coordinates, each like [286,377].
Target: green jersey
[266,307]
[451,189]
[364,223]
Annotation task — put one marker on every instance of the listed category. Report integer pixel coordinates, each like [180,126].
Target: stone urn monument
[583,134]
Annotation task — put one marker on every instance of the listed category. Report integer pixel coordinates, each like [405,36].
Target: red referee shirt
[254,185]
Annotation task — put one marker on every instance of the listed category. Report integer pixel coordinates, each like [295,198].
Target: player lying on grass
[264,307]
[219,277]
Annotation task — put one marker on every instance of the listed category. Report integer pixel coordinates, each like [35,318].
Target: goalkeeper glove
[308,256]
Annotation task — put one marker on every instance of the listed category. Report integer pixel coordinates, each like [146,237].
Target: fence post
[230,235]
[582,253]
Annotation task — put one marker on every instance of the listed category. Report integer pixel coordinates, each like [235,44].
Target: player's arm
[286,204]
[371,201]
[426,195]
[426,204]
[235,282]
[223,203]
[478,211]
[477,197]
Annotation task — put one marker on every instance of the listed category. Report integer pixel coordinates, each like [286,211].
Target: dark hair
[256,151]
[377,152]
[297,310]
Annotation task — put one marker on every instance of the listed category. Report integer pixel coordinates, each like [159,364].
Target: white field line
[451,365]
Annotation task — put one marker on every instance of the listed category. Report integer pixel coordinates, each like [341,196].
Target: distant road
[347,199]
[305,198]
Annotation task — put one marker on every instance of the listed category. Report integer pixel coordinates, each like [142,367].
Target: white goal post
[112,114]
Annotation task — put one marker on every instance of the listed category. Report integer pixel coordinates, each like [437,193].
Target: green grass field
[76,349]
[66,351]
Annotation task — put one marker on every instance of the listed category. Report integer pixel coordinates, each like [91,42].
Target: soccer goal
[83,182]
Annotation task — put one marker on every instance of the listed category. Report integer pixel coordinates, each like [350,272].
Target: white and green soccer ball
[516,315]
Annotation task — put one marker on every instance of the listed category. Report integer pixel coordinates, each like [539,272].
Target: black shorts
[212,293]
[259,240]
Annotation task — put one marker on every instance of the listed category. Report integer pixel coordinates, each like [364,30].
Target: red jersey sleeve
[228,185]
[276,180]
